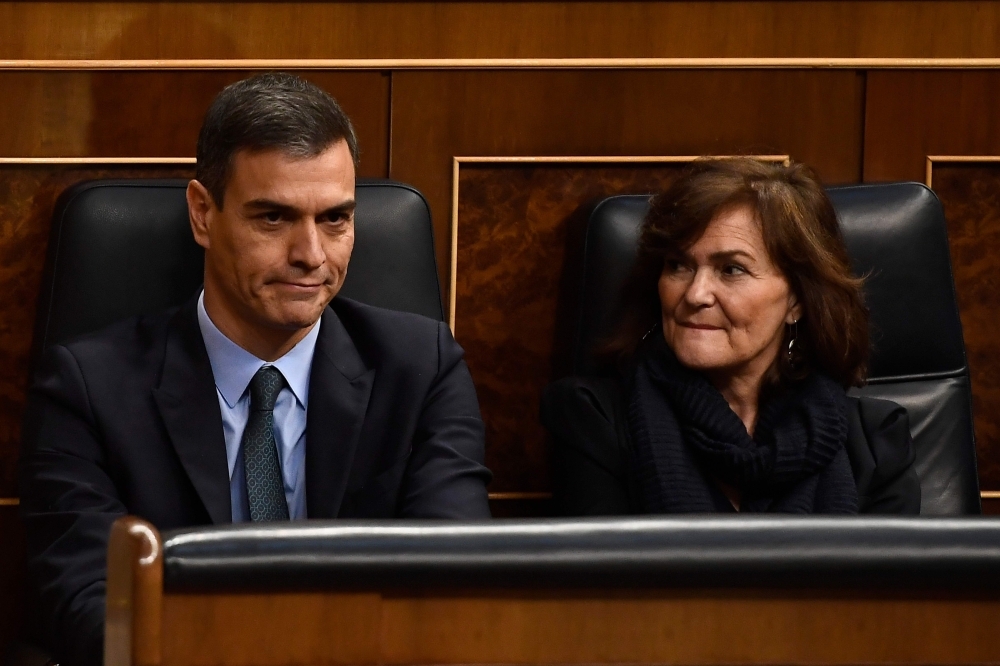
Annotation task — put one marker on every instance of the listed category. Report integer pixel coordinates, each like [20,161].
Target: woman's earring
[791,341]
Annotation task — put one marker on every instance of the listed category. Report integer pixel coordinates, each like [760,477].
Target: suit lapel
[339,387]
[189,406]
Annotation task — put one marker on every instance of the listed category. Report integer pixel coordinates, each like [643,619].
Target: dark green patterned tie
[265,487]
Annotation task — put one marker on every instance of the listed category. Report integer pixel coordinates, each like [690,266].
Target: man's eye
[272,216]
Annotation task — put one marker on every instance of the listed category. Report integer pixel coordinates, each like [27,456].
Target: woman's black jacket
[593,453]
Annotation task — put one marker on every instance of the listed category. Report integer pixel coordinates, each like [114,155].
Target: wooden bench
[708,590]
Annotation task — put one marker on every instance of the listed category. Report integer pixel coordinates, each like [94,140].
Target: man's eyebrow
[345,207]
[267,204]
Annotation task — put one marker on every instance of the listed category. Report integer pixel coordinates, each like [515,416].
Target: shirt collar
[233,367]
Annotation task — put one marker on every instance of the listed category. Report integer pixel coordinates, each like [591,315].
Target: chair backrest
[124,247]
[896,235]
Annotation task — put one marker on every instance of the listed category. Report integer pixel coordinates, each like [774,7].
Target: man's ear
[200,205]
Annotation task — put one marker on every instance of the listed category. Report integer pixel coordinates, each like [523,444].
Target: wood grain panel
[520,231]
[266,629]
[694,627]
[12,574]
[357,29]
[581,626]
[27,196]
[814,116]
[970,194]
[910,115]
[140,113]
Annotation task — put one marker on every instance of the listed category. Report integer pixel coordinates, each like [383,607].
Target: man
[264,397]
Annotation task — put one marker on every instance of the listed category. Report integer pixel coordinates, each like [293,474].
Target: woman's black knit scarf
[685,433]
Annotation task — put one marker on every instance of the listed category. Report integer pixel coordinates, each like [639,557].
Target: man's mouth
[299,285]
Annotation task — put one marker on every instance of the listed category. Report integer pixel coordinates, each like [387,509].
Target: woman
[741,329]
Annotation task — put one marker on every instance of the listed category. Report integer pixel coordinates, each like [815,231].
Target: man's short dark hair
[266,111]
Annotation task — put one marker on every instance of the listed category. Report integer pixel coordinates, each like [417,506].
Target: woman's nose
[701,290]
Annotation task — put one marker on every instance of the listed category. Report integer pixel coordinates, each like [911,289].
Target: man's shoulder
[362,313]
[387,331]
[123,342]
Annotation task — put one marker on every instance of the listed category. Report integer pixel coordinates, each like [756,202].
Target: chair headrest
[124,247]
[895,234]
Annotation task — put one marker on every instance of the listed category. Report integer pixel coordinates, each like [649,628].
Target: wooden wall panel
[814,116]
[822,28]
[520,231]
[909,116]
[157,113]
[912,114]
[971,197]
[27,196]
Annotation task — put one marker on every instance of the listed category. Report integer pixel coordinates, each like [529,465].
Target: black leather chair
[123,247]
[895,233]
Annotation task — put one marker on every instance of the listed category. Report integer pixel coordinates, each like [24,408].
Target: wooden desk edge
[133,624]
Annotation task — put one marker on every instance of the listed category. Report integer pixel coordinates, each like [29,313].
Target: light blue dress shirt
[233,367]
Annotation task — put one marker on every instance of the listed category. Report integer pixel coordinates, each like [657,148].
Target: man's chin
[296,318]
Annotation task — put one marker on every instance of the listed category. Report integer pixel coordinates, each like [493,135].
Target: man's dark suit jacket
[127,421]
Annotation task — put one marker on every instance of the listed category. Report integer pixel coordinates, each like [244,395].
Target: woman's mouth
[699,327]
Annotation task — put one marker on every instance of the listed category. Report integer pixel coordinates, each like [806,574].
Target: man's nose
[306,247]
[701,290]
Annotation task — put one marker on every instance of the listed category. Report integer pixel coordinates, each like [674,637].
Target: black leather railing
[744,551]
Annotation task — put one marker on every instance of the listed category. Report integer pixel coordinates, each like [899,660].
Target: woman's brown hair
[800,230]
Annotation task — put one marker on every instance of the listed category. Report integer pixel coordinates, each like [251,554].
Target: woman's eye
[673,265]
[733,270]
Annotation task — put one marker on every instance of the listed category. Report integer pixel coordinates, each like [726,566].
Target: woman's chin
[702,360]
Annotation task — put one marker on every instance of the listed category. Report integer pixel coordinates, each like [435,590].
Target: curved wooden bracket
[134,594]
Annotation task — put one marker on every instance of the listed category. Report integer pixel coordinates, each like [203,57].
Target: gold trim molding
[457,162]
[22,161]
[933,160]
[501,63]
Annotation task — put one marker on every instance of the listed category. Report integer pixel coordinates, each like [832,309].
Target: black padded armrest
[716,551]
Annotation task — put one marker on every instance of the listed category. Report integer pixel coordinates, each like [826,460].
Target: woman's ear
[794,309]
